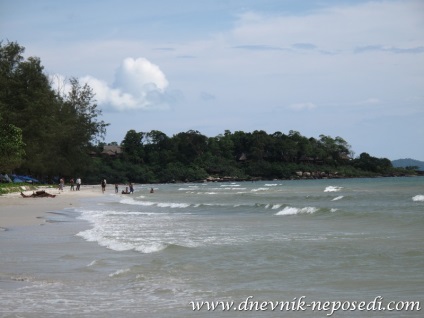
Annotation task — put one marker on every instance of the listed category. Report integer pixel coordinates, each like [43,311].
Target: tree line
[149,157]
[47,133]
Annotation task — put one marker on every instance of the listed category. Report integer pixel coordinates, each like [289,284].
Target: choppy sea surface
[186,247]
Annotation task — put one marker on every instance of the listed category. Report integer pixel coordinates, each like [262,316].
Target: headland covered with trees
[47,134]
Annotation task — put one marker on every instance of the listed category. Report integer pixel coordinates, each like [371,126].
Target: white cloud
[139,84]
[59,84]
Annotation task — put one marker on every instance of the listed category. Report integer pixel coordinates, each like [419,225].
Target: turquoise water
[163,254]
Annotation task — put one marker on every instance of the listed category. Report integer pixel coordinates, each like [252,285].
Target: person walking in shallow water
[103,185]
[116,188]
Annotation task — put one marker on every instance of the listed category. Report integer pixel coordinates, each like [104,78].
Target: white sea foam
[334,210]
[92,263]
[418,198]
[288,210]
[131,201]
[259,189]
[276,206]
[119,272]
[150,248]
[337,198]
[333,189]
[173,205]
[271,184]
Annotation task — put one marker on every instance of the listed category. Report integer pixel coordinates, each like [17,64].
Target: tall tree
[80,127]
[57,130]
[27,101]
[132,146]
[11,147]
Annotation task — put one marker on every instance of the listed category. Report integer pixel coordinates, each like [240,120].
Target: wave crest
[288,210]
[333,189]
[418,198]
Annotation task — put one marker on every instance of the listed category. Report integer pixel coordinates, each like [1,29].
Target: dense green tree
[57,130]
[190,145]
[11,147]
[132,146]
[370,163]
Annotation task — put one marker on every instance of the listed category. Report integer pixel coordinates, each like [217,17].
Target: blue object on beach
[18,178]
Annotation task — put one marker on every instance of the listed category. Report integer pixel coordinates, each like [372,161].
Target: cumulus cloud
[138,84]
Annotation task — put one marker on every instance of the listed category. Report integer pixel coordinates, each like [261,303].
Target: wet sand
[17,211]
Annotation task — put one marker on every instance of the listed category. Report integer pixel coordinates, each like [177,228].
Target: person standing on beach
[116,188]
[103,185]
[78,183]
[72,184]
[61,184]
[131,188]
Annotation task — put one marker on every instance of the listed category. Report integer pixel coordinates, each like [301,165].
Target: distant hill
[402,163]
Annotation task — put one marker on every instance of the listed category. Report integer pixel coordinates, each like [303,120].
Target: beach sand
[16,211]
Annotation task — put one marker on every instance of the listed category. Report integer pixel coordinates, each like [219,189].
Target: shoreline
[16,211]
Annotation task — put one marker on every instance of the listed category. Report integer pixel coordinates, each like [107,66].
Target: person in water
[103,185]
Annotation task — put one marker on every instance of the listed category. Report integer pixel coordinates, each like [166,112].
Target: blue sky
[353,69]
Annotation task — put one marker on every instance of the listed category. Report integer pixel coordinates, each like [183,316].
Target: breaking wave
[333,189]
[418,198]
[159,204]
[288,210]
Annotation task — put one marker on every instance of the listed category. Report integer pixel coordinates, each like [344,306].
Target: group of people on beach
[72,184]
[117,187]
[128,190]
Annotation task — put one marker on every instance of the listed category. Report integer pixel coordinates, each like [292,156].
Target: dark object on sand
[39,194]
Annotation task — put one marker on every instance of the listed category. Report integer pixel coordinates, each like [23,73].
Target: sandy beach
[16,211]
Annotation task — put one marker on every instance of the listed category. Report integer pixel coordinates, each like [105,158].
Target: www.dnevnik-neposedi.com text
[301,304]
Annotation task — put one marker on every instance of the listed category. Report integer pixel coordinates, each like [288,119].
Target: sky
[353,69]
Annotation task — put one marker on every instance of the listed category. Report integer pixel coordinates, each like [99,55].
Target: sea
[292,248]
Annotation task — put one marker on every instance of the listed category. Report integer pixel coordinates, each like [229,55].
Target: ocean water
[243,247]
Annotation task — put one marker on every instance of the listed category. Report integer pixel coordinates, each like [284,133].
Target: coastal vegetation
[48,133]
